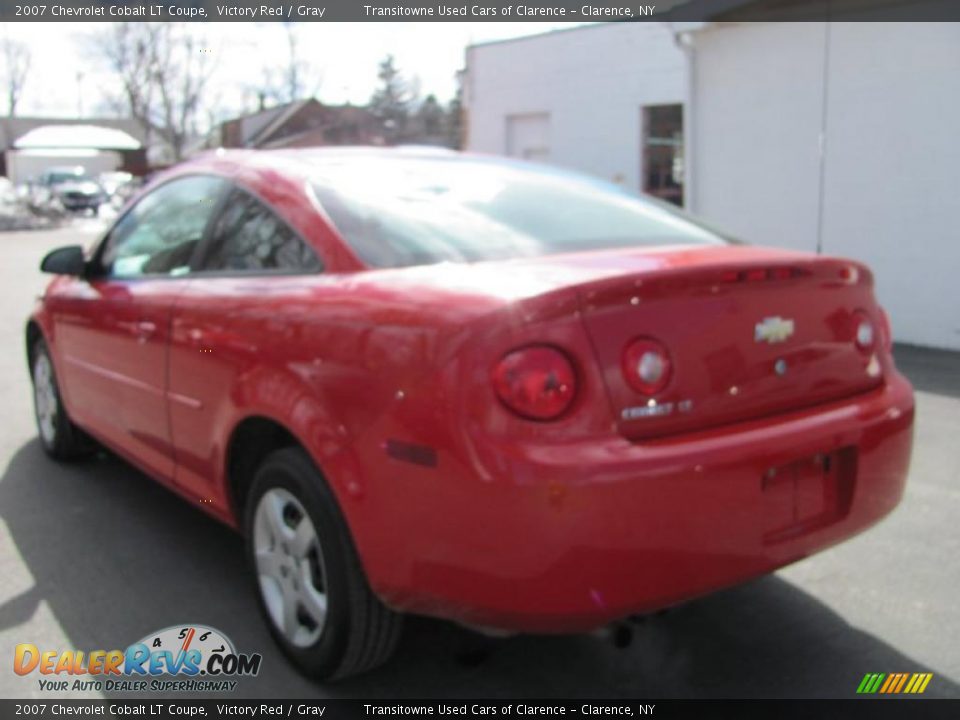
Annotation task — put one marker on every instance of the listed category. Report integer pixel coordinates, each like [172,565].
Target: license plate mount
[804,494]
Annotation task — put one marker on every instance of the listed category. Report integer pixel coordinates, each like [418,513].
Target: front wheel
[61,439]
[312,589]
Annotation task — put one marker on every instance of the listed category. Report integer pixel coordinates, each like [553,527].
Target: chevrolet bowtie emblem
[773,330]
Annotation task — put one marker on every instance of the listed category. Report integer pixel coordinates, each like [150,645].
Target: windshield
[57,178]
[413,211]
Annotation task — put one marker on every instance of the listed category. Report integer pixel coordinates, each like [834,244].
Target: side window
[159,234]
[248,237]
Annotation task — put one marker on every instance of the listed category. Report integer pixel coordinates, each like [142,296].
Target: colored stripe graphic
[923,679]
[870,683]
[894,683]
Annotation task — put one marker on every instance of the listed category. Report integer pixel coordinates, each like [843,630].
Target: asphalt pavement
[94,555]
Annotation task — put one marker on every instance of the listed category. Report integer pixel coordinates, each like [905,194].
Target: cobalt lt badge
[773,330]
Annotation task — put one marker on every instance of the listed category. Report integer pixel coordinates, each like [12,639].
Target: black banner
[475,10]
[917,709]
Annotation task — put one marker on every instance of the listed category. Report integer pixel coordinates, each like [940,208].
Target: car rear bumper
[568,538]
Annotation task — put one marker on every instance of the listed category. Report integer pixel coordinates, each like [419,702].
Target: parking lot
[95,556]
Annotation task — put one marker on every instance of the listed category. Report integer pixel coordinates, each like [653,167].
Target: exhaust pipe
[622,636]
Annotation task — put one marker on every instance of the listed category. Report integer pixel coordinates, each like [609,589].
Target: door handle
[145,330]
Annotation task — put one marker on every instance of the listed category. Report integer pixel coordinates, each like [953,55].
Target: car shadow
[114,556]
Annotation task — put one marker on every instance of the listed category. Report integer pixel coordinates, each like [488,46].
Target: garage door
[528,136]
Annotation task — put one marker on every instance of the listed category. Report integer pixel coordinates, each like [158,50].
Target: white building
[840,137]
[577,97]
[95,148]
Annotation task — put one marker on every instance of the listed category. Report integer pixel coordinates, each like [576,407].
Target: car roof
[302,160]
[339,151]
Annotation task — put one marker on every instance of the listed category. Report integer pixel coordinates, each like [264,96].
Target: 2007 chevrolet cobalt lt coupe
[506,395]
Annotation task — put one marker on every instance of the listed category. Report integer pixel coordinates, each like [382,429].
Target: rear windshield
[396,212]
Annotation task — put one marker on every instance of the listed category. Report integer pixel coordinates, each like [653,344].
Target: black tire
[359,632]
[66,441]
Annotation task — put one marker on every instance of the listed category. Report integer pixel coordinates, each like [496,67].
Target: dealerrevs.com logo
[181,658]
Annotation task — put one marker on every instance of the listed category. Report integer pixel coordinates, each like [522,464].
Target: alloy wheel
[45,398]
[290,568]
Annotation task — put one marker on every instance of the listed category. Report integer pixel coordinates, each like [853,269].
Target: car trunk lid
[749,332]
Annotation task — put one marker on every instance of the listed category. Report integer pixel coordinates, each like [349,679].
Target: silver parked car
[72,187]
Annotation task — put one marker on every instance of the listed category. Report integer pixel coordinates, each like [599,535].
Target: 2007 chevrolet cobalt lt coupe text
[481,390]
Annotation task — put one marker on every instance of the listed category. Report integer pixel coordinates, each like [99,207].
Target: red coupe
[425,382]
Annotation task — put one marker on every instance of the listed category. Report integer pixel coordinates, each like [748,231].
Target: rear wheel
[60,438]
[312,590]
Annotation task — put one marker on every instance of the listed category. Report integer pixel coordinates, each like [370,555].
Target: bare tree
[16,61]
[163,70]
[296,67]
[295,78]
[131,51]
[181,78]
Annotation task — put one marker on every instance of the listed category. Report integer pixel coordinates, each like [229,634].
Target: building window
[662,168]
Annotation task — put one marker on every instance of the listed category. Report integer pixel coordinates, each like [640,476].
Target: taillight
[536,382]
[646,366]
[864,334]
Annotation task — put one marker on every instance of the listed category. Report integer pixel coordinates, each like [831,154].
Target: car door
[112,326]
[219,325]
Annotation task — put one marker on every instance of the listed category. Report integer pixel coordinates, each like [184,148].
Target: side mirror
[67,260]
